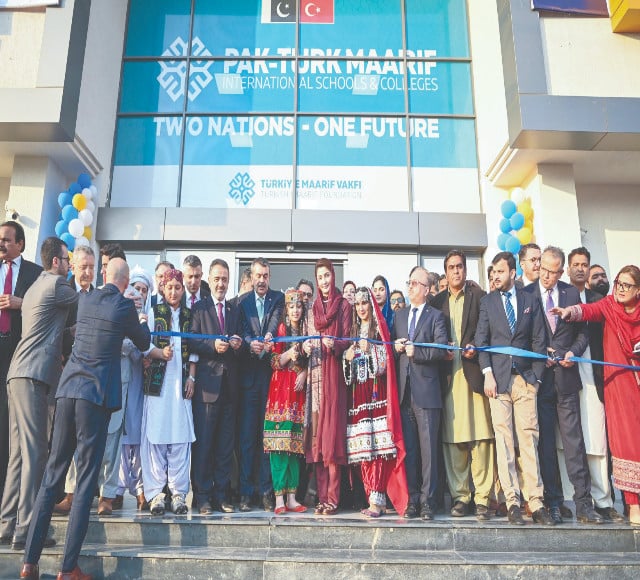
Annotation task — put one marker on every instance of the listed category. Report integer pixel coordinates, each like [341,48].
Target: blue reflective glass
[443,143]
[149,87]
[245,85]
[437,25]
[440,88]
[158,27]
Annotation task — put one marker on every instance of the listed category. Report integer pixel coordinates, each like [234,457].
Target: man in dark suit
[467,434]
[511,317]
[215,399]
[195,288]
[34,372]
[261,312]
[558,396]
[419,390]
[89,390]
[592,395]
[16,276]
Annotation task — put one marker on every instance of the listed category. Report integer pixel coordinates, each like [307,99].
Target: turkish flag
[316,11]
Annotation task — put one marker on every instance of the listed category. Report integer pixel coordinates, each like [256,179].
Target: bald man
[89,391]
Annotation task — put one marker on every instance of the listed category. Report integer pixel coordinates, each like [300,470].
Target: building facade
[379,133]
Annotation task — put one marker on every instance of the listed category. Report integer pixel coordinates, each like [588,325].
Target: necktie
[5,315]
[412,324]
[511,315]
[220,317]
[549,305]
[193,300]
[260,306]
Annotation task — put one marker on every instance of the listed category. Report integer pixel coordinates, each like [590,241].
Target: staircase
[260,545]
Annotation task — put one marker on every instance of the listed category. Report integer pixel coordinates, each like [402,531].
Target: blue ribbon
[505,350]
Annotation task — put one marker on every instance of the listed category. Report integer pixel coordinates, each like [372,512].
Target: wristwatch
[191,378]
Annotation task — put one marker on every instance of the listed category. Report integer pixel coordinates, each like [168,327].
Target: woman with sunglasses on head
[374,431]
[620,314]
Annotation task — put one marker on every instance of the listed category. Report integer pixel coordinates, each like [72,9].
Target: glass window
[438,26]
[352,163]
[440,88]
[340,86]
[146,162]
[153,86]
[245,85]
[158,28]
[246,28]
[238,162]
[366,28]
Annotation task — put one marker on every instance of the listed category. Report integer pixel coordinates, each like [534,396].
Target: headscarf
[324,320]
[172,274]
[387,311]
[137,274]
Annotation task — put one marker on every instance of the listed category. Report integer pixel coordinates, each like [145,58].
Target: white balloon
[517,195]
[94,190]
[86,217]
[87,193]
[91,206]
[82,241]
[76,228]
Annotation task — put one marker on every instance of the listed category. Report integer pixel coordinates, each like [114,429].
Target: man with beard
[598,281]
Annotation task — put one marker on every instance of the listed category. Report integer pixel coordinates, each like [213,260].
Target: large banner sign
[347,123]
[591,7]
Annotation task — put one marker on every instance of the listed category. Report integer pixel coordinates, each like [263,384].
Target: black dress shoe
[459,509]
[245,503]
[227,507]
[482,513]
[19,544]
[268,502]
[205,508]
[587,515]
[541,517]
[610,514]
[411,512]
[555,515]
[426,512]
[515,516]
[565,512]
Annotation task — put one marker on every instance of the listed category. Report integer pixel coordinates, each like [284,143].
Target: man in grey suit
[511,317]
[35,370]
[16,276]
[89,390]
[420,392]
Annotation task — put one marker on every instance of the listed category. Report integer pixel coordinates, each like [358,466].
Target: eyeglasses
[64,258]
[307,294]
[533,260]
[624,286]
[397,300]
[550,272]
[412,283]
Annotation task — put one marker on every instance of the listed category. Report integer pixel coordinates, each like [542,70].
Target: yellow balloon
[524,207]
[528,224]
[87,232]
[70,256]
[79,201]
[524,235]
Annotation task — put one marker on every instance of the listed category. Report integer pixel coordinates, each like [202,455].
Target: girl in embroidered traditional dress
[284,415]
[374,435]
[167,422]
[620,314]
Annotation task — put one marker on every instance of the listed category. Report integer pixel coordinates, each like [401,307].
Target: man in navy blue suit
[261,312]
[89,390]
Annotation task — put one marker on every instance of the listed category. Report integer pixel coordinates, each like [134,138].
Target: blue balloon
[502,241]
[518,267]
[61,228]
[64,198]
[84,180]
[513,245]
[75,188]
[505,226]
[516,221]
[68,239]
[508,208]
[69,213]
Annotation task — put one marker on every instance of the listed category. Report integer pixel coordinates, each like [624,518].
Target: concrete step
[260,545]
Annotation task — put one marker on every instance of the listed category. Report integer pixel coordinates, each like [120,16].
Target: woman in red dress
[374,431]
[284,415]
[620,314]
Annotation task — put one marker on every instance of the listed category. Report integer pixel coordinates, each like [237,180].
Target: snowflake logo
[241,188]
[173,72]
